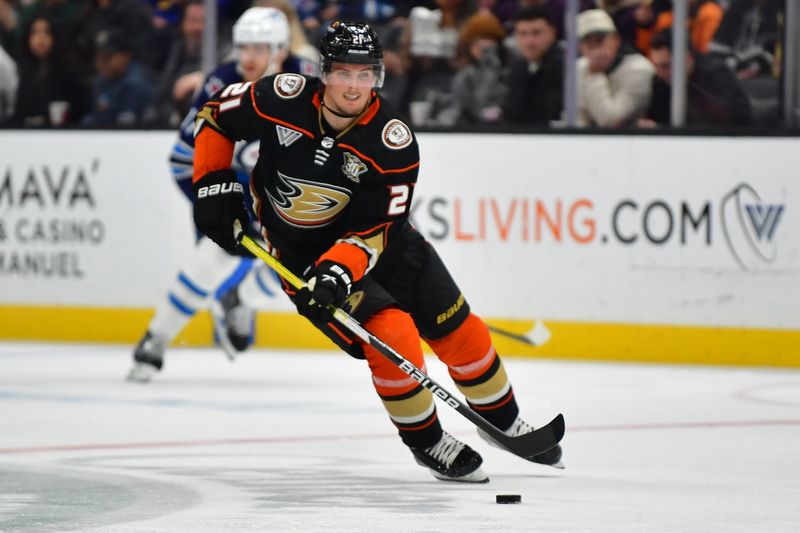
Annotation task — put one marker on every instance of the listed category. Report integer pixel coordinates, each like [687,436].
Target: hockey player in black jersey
[332,188]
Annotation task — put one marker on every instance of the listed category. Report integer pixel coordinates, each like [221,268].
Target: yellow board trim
[570,340]
[657,343]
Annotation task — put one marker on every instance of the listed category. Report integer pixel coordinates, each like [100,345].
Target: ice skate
[551,457]
[233,323]
[148,358]
[452,460]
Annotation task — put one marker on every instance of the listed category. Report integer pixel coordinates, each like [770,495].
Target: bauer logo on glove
[220,188]
[219,203]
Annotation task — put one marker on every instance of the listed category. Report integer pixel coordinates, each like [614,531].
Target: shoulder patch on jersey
[396,135]
[288,85]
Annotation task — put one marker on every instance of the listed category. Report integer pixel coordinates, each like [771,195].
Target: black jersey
[314,187]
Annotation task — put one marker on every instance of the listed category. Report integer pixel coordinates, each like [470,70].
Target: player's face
[348,87]
[253,60]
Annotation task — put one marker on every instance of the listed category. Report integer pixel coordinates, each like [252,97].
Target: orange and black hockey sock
[410,406]
[478,371]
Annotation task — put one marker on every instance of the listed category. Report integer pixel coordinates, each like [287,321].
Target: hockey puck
[508,498]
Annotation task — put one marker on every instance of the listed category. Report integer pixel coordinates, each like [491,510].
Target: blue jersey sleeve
[182,156]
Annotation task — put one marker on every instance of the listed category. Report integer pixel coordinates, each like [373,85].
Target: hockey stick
[525,446]
[536,336]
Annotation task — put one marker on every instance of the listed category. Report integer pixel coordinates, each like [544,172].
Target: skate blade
[478,476]
[218,321]
[559,464]
[141,373]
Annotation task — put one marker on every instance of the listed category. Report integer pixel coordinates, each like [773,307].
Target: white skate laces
[519,427]
[452,460]
[551,457]
[446,450]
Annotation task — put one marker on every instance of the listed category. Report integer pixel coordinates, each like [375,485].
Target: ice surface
[298,441]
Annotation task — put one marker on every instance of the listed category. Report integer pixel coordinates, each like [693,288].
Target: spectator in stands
[53,91]
[9,17]
[167,13]
[65,16]
[536,80]
[623,13]
[478,90]
[557,9]
[714,96]
[8,85]
[504,10]
[182,74]
[122,92]
[614,81]
[704,19]
[429,50]
[748,36]
[372,11]
[132,18]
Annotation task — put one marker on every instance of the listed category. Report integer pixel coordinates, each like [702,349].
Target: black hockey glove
[219,201]
[328,283]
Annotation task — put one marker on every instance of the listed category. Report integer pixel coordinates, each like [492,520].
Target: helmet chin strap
[341,115]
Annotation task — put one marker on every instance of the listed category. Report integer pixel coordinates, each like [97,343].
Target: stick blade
[537,441]
[539,334]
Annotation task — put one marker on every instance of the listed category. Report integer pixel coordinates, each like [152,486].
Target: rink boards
[629,248]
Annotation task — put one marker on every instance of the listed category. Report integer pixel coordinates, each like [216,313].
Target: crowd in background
[449,63]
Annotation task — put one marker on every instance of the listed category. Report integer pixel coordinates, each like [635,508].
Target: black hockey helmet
[351,42]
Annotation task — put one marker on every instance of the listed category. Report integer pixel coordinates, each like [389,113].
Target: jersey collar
[366,116]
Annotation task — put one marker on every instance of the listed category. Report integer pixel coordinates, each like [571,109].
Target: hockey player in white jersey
[209,275]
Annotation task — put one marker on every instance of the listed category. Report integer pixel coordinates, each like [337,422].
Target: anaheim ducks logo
[307,203]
